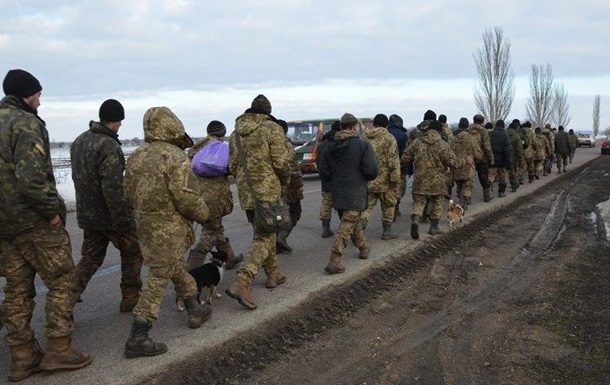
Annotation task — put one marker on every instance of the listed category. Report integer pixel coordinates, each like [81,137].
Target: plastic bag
[212,160]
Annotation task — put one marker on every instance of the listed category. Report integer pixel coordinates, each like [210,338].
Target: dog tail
[450,201]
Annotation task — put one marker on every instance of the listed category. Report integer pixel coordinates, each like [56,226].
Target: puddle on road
[604,215]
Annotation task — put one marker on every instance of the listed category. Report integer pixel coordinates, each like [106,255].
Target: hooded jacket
[400,134]
[501,148]
[562,143]
[388,163]
[322,147]
[162,189]
[349,163]
[483,140]
[464,144]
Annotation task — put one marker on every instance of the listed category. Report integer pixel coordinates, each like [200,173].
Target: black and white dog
[208,276]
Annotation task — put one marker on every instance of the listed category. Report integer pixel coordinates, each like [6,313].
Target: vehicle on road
[606,145]
[585,139]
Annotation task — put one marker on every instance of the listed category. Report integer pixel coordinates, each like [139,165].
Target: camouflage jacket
[551,137]
[264,145]
[29,196]
[216,190]
[447,135]
[97,171]
[542,148]
[482,136]
[573,141]
[530,151]
[517,146]
[388,164]
[464,144]
[418,131]
[431,156]
[291,190]
[162,189]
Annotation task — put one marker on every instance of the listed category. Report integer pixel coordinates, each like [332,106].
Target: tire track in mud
[239,358]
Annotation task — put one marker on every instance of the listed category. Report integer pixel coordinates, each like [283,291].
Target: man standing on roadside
[33,238]
[482,136]
[349,163]
[562,149]
[102,211]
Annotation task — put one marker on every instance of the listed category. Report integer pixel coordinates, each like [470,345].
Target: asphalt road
[101,330]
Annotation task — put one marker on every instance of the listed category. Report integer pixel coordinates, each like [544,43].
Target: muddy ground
[519,296]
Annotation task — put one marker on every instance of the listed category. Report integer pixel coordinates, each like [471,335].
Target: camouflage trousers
[449,180]
[498,174]
[464,188]
[562,161]
[403,189]
[435,205]
[387,201]
[212,234]
[539,167]
[521,169]
[531,166]
[261,253]
[326,209]
[350,228]
[572,152]
[95,244]
[45,251]
[159,276]
[483,173]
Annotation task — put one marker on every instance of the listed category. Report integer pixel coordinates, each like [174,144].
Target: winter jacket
[322,147]
[400,134]
[501,148]
[464,145]
[291,190]
[388,163]
[516,143]
[542,147]
[483,139]
[562,143]
[349,163]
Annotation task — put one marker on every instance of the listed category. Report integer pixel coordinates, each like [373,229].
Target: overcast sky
[313,59]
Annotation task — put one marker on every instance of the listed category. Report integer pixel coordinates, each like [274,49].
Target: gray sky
[313,59]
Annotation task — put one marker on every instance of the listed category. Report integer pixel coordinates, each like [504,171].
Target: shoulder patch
[39,148]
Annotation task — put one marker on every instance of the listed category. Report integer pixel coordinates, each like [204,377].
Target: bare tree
[596,113]
[562,108]
[541,102]
[495,90]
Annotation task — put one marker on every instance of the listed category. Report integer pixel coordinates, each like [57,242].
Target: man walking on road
[326,206]
[482,136]
[349,163]
[562,149]
[33,239]
[395,127]
[102,211]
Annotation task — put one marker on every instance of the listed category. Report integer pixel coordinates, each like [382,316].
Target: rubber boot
[139,344]
[415,226]
[240,290]
[487,194]
[281,245]
[232,259]
[61,355]
[197,313]
[274,278]
[434,229]
[334,264]
[387,231]
[129,300]
[502,190]
[326,231]
[25,360]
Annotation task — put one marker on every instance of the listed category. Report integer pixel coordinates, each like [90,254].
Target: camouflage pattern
[388,163]
[546,131]
[418,131]
[543,149]
[46,251]
[530,151]
[326,208]
[464,188]
[29,197]
[447,134]
[431,156]
[434,202]
[350,228]
[518,162]
[164,193]
[212,235]
[292,192]
[498,174]
[573,145]
[482,138]
[261,254]
[464,145]
[387,200]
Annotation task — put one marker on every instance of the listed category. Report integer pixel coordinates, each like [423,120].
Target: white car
[586,140]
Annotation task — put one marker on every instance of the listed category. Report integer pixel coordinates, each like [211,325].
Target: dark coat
[501,148]
[562,143]
[322,147]
[400,133]
[350,163]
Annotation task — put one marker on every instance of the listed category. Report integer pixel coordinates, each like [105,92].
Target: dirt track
[517,297]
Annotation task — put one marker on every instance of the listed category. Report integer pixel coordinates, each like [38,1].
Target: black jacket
[350,163]
[322,147]
[501,147]
[400,133]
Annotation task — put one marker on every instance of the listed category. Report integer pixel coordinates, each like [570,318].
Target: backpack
[212,160]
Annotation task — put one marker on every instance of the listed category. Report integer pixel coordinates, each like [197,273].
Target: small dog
[455,212]
[208,275]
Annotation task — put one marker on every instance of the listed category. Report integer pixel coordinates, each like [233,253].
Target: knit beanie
[500,123]
[512,125]
[380,120]
[262,103]
[436,125]
[20,83]
[548,125]
[430,115]
[478,118]
[217,129]
[112,111]
[517,122]
[283,124]
[561,128]
[527,124]
[396,120]
[348,120]
[489,126]
[463,123]
[336,126]
[538,130]
[442,118]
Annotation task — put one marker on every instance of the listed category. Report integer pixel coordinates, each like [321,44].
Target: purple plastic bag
[212,160]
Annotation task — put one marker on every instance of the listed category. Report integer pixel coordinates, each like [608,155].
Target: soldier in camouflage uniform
[548,162]
[447,136]
[165,196]
[562,149]
[482,136]
[386,187]
[543,149]
[530,151]
[101,208]
[268,160]
[326,207]
[431,156]
[292,193]
[522,132]
[216,192]
[465,145]
[33,239]
[395,127]
[518,156]
[349,163]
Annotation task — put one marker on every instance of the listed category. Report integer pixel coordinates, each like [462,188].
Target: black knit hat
[430,115]
[436,125]
[512,125]
[396,120]
[380,120]
[489,126]
[283,124]
[336,126]
[20,83]
[538,130]
[112,111]
[348,120]
[500,123]
[463,123]
[442,118]
[262,104]
[561,128]
[517,122]
[478,118]
[527,124]
[217,128]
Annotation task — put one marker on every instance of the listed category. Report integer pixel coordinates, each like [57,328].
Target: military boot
[232,259]
[281,245]
[415,226]
[365,252]
[334,265]
[487,194]
[197,313]
[240,290]
[501,190]
[139,344]
[326,231]
[434,229]
[387,231]
[530,178]
[25,360]
[274,278]
[61,355]
[514,186]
